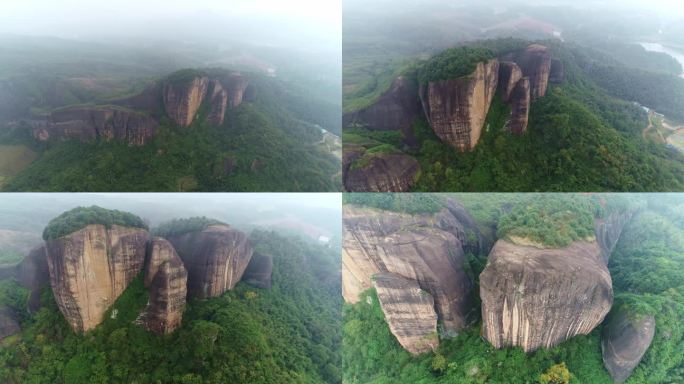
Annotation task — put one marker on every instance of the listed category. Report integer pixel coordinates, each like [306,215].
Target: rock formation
[557,75]
[384,172]
[9,325]
[409,312]
[219,103]
[509,75]
[608,232]
[91,267]
[520,107]
[258,272]
[182,100]
[33,273]
[394,110]
[535,63]
[166,279]
[456,109]
[413,247]
[90,123]
[534,297]
[236,86]
[215,258]
[624,342]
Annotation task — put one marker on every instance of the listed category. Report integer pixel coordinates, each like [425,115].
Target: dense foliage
[454,63]
[398,202]
[177,227]
[288,334]
[80,217]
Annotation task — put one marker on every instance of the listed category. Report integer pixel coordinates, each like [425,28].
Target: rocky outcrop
[537,298]
[422,248]
[215,258]
[219,103]
[237,85]
[33,274]
[409,312]
[608,232]
[557,75]
[91,123]
[520,107]
[509,75]
[182,99]
[9,325]
[258,272]
[382,172]
[535,63]
[456,109]
[166,279]
[624,342]
[394,110]
[90,268]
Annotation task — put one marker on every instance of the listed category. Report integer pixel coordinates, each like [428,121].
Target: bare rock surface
[182,100]
[219,103]
[608,232]
[509,75]
[385,172]
[520,107]
[33,274]
[624,342]
[535,63]
[258,272]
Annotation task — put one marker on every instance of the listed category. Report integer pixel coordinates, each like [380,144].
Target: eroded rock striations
[520,107]
[33,274]
[91,123]
[608,232]
[237,85]
[624,342]
[9,325]
[536,298]
[557,75]
[90,268]
[422,248]
[258,272]
[219,103]
[509,75]
[409,312]
[215,258]
[456,109]
[182,100]
[535,63]
[166,279]
[382,172]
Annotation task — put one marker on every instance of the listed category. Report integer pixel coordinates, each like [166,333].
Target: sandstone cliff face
[236,86]
[456,109]
[258,272]
[390,172]
[413,247]
[182,101]
[394,110]
[9,325]
[624,342]
[520,107]
[166,278]
[90,268]
[33,273]
[541,297]
[215,258]
[535,63]
[90,123]
[409,312]
[557,75]
[219,103]
[509,75]
[608,232]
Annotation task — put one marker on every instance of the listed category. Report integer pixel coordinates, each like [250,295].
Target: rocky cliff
[91,123]
[166,279]
[415,247]
[237,85]
[258,272]
[91,267]
[382,172]
[608,232]
[535,63]
[557,75]
[624,342]
[33,274]
[9,325]
[219,102]
[519,99]
[509,75]
[409,312]
[182,99]
[215,258]
[394,110]
[536,298]
[456,109]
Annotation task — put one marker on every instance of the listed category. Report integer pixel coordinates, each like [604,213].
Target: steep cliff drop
[456,109]
[90,268]
[215,258]
[236,86]
[624,342]
[33,273]
[182,98]
[258,272]
[608,232]
[533,297]
[219,103]
[166,279]
[421,248]
[364,171]
[509,75]
[520,107]
[535,63]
